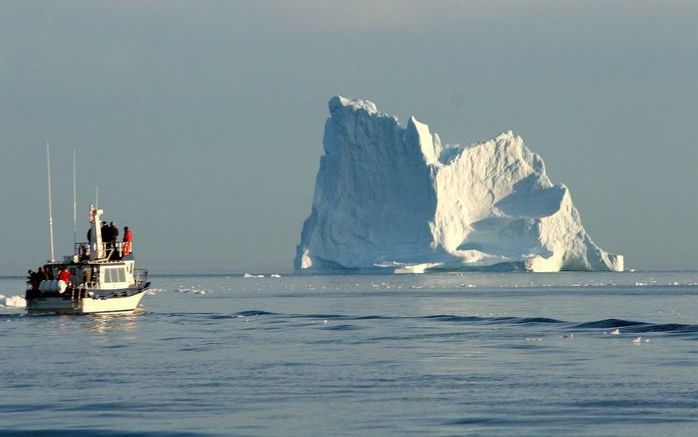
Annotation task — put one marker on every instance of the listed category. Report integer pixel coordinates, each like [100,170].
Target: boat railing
[140,276]
[83,250]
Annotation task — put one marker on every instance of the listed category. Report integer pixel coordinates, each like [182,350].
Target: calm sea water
[447,354]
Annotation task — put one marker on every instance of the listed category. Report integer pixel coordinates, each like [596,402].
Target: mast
[75,200]
[50,204]
[97,248]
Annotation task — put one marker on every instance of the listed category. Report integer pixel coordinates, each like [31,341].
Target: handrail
[83,250]
[140,276]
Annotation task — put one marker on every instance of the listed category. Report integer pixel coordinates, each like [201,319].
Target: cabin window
[114,275]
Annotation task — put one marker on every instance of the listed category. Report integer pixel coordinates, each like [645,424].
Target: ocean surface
[584,354]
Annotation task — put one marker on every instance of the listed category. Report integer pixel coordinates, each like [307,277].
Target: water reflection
[110,323]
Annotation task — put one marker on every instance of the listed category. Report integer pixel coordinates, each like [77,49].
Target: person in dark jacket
[114,233]
[48,273]
[106,233]
[31,276]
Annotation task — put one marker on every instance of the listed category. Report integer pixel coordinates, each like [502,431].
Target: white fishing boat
[99,277]
[102,278]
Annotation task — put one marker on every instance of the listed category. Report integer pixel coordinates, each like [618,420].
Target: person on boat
[36,280]
[114,240]
[87,274]
[63,279]
[106,236]
[31,281]
[30,286]
[128,237]
[48,273]
[114,232]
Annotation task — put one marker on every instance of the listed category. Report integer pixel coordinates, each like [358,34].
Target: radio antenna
[75,200]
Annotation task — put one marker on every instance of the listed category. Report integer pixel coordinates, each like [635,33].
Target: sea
[451,354]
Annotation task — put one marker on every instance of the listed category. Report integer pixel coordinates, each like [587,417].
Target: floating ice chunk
[615,332]
[250,275]
[637,340]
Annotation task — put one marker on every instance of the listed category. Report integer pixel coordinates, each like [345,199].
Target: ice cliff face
[394,198]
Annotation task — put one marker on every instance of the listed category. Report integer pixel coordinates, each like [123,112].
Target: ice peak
[338,102]
[507,135]
[419,133]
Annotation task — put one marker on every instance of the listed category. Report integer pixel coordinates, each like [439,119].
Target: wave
[625,326]
[607,323]
[253,313]
[632,326]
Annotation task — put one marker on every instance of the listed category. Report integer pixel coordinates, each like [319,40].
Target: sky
[201,122]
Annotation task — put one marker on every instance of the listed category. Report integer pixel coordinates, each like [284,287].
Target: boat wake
[12,301]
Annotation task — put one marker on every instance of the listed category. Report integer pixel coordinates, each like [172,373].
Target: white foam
[192,290]
[12,301]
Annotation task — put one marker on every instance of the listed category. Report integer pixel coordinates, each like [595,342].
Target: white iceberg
[396,199]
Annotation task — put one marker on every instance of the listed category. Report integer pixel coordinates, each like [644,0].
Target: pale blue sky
[202,121]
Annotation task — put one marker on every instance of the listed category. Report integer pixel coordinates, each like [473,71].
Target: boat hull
[86,305]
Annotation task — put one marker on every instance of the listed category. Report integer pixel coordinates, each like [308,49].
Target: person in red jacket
[64,275]
[63,279]
[128,237]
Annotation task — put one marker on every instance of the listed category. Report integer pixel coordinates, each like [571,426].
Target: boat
[103,278]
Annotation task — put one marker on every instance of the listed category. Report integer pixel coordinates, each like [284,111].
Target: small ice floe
[324,322]
[637,340]
[275,275]
[467,285]
[571,335]
[534,339]
[250,275]
[615,331]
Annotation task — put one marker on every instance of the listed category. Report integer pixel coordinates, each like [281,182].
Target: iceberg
[396,199]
